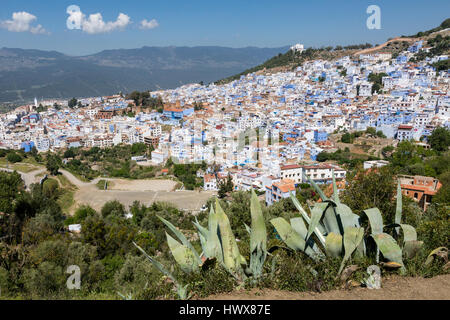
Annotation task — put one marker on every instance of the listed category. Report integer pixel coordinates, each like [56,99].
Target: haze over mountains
[26,73]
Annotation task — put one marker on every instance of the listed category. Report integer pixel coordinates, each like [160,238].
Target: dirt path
[381,46]
[126,191]
[28,177]
[393,288]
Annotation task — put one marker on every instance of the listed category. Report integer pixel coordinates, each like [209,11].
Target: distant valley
[25,73]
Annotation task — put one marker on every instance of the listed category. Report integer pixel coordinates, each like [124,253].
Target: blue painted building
[320,136]
[27,146]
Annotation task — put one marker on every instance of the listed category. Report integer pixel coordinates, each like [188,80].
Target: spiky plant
[338,231]
[219,243]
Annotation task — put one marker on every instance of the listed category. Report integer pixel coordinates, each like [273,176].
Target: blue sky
[233,23]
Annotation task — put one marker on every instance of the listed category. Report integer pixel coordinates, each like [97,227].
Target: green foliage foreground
[239,243]
[330,236]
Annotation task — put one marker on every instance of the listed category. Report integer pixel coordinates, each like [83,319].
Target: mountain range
[27,73]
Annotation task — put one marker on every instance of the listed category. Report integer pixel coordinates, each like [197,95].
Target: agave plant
[334,230]
[181,290]
[218,243]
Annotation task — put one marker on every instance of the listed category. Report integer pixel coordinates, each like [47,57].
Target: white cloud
[38,30]
[21,22]
[94,23]
[149,24]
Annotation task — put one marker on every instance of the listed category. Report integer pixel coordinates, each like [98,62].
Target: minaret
[35,102]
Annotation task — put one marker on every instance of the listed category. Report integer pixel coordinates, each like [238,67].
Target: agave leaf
[319,231]
[157,264]
[249,230]
[213,240]
[182,238]
[346,218]
[316,214]
[182,254]
[300,208]
[361,249]
[330,221]
[209,241]
[352,238]
[409,233]
[388,247]
[411,248]
[335,189]
[333,244]
[203,243]
[182,292]
[258,237]
[231,256]
[292,239]
[316,187]
[440,251]
[258,227]
[212,221]
[201,230]
[398,209]
[299,226]
[375,220]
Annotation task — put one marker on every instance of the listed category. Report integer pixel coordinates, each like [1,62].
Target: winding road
[126,191]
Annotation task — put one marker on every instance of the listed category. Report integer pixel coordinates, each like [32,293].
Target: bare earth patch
[393,288]
[143,185]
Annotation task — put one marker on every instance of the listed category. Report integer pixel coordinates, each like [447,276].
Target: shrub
[13,157]
[434,228]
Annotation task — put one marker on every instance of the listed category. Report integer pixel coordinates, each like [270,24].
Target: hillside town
[264,130]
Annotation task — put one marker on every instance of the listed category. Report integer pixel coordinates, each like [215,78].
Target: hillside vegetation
[290,60]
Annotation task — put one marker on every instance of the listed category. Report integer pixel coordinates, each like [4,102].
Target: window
[416,195]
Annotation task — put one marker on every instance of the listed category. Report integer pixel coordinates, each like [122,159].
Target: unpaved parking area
[126,191]
[393,288]
[186,200]
[143,185]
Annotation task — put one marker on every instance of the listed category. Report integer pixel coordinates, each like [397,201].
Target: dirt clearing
[393,288]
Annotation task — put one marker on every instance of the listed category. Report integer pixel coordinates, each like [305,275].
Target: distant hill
[289,60]
[25,74]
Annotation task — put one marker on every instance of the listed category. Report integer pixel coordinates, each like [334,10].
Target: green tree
[440,139]
[53,164]
[70,153]
[114,208]
[13,157]
[371,189]
[72,103]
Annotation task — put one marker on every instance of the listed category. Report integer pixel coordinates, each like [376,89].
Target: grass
[65,183]
[78,176]
[66,200]
[24,166]
[101,184]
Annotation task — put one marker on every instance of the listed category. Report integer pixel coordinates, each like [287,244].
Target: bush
[80,215]
[294,271]
[114,208]
[50,188]
[136,275]
[212,281]
[47,280]
[434,228]
[13,157]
